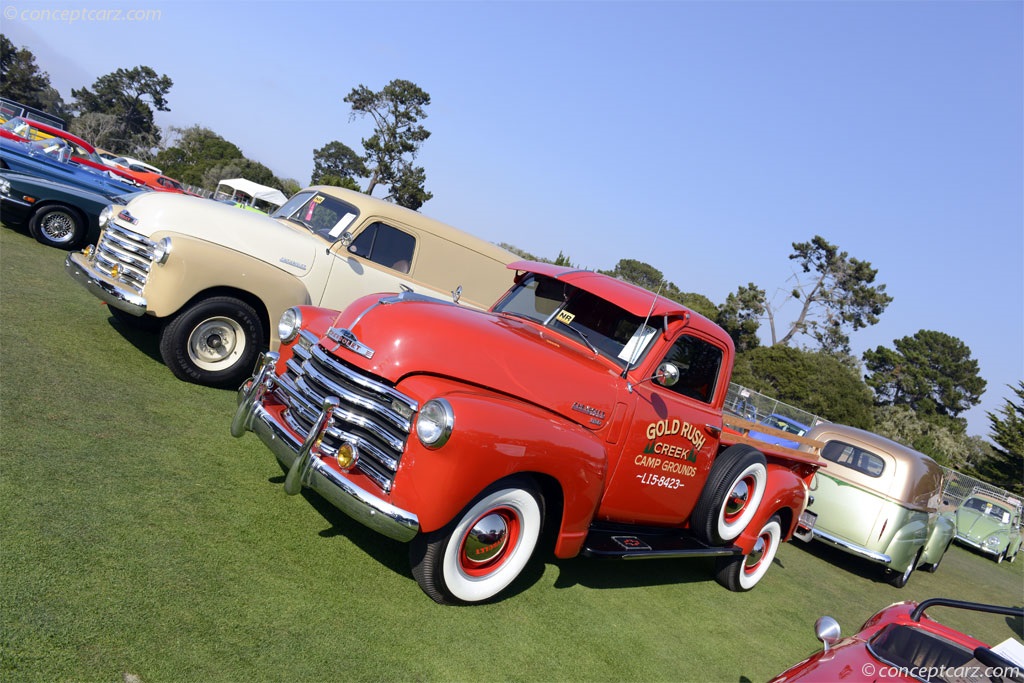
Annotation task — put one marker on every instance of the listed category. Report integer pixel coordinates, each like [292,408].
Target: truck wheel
[731,495]
[213,342]
[900,580]
[480,552]
[58,226]
[740,573]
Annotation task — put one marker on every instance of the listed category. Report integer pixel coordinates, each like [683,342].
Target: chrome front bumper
[305,467]
[118,297]
[963,540]
[851,548]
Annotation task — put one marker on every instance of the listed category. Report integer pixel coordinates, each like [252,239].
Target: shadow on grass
[860,566]
[596,573]
[142,336]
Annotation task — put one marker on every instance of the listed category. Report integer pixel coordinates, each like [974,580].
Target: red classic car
[901,643]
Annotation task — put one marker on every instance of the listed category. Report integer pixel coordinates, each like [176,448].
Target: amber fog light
[348,456]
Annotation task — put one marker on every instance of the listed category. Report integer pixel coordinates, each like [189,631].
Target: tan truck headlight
[435,422]
[162,250]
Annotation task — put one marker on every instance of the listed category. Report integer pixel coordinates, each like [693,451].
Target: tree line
[914,392]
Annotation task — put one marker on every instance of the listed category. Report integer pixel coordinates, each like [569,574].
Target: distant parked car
[9,109]
[133,164]
[52,159]
[991,523]
[786,424]
[56,214]
[900,643]
[28,130]
[879,500]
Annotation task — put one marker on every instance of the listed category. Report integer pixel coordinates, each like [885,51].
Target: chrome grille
[129,251]
[366,416]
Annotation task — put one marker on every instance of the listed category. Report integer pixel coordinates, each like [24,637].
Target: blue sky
[703,138]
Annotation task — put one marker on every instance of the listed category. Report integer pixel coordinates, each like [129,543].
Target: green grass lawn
[140,541]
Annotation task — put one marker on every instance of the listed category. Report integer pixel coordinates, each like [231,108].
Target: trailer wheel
[480,552]
[731,495]
[740,573]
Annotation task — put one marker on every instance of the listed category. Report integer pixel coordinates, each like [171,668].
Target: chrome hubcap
[215,340]
[737,498]
[486,539]
[58,227]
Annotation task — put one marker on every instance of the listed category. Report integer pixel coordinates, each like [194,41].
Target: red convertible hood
[500,353]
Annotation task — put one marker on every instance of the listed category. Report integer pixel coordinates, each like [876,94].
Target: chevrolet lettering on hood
[349,341]
[597,416]
[293,264]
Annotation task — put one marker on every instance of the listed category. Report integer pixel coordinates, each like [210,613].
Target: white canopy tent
[254,190]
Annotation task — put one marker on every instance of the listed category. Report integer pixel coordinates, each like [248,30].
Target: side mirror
[826,629]
[346,239]
[667,374]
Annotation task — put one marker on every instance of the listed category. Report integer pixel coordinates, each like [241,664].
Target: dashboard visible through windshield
[590,320]
[321,214]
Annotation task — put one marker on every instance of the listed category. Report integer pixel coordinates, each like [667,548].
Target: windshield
[319,213]
[56,148]
[600,325]
[987,508]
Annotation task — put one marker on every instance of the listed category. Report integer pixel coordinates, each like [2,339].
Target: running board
[630,544]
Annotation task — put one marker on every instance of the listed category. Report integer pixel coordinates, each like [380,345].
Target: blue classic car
[786,424]
[56,214]
[51,159]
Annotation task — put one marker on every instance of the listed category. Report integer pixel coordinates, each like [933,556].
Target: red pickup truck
[578,405]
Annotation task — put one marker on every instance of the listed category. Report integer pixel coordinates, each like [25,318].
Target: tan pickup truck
[214,280]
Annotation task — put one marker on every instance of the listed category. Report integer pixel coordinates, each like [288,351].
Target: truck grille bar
[371,414]
[127,253]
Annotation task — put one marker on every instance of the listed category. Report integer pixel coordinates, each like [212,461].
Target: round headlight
[106,214]
[434,423]
[162,250]
[289,325]
[5,186]
[992,540]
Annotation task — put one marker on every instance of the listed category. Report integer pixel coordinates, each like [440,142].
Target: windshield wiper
[583,337]
[301,222]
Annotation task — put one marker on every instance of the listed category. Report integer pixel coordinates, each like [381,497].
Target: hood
[976,525]
[164,213]
[506,355]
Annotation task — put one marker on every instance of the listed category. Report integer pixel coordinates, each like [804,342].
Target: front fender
[195,266]
[786,495]
[495,437]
